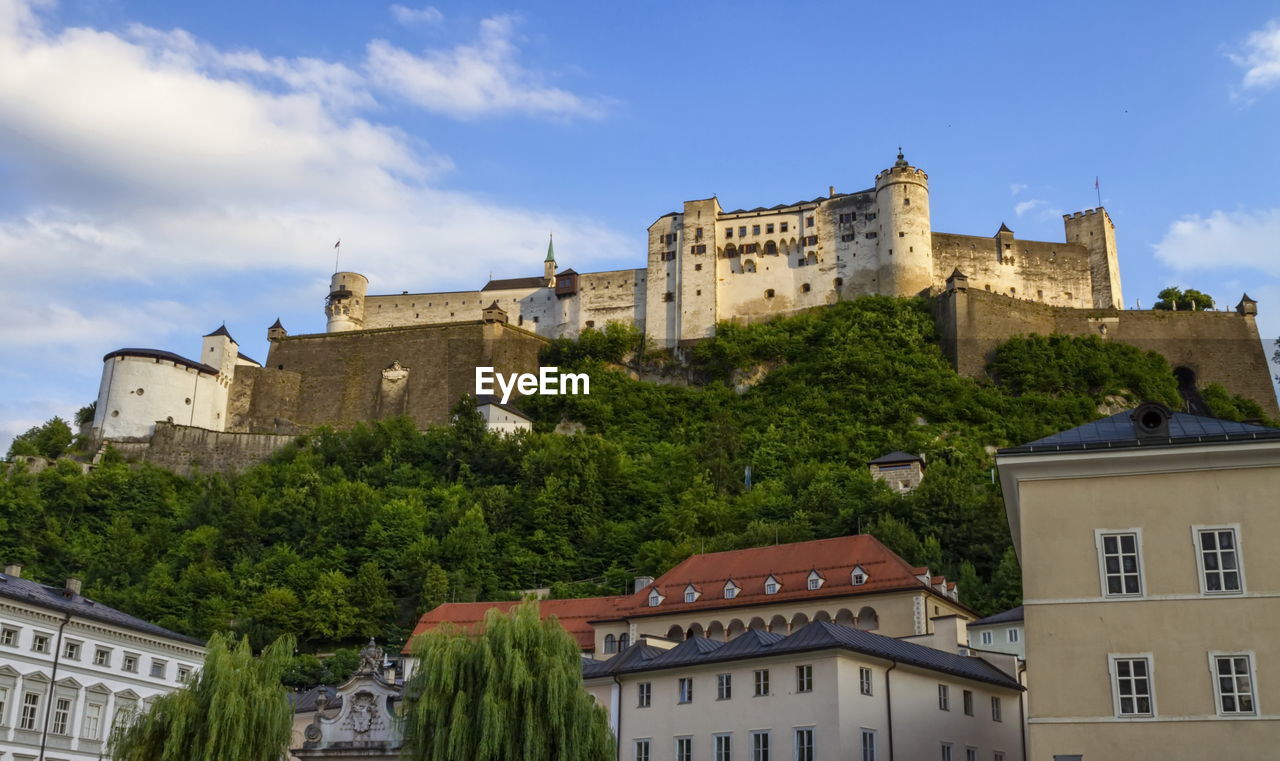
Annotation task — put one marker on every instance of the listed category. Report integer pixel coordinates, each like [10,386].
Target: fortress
[415,353]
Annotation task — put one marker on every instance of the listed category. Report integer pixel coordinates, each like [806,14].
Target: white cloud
[1015,188]
[1260,58]
[1026,206]
[411,16]
[474,80]
[1247,239]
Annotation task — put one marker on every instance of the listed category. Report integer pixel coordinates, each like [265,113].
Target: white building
[502,418]
[825,691]
[72,668]
[1000,633]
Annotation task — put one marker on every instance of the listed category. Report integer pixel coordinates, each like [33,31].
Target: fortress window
[768,229]
[988,287]
[728,232]
[169,419]
[591,323]
[697,233]
[1067,294]
[906,202]
[871,217]
[808,221]
[1040,294]
[699,291]
[755,229]
[697,267]
[115,413]
[848,237]
[811,240]
[848,217]
[139,392]
[535,320]
[1013,290]
[767,294]
[669,296]
[1008,246]
[771,248]
[804,288]
[189,398]
[800,262]
[839,282]
[668,256]
[742,231]
[870,236]
[902,235]
[750,248]
[699,249]
[782,226]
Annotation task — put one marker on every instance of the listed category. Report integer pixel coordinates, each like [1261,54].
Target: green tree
[1006,584]
[234,708]
[435,588]
[1183,301]
[50,440]
[514,691]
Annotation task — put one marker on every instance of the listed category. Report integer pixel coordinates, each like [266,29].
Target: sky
[168,167]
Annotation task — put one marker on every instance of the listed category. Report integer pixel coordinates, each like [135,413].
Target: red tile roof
[572,614]
[789,564]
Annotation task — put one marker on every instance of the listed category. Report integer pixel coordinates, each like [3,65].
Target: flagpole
[337,250]
[1097,185]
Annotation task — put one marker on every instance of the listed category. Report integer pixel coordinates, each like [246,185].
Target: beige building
[1151,587]
[823,692]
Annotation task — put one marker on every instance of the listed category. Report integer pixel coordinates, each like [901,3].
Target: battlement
[1086,213]
[902,170]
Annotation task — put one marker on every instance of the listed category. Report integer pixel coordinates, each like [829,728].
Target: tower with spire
[549,264]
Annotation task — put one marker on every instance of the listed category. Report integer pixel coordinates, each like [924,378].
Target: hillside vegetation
[346,535]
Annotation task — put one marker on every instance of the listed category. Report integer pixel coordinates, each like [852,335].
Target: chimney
[831,191]
[950,633]
[14,570]
[73,587]
[641,583]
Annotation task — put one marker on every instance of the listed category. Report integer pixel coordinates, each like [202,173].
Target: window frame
[731,590]
[948,752]
[815,581]
[944,697]
[60,717]
[1214,655]
[102,656]
[29,723]
[759,680]
[684,690]
[687,742]
[1012,635]
[724,686]
[644,694]
[124,663]
[804,677]
[691,594]
[1114,677]
[855,574]
[91,725]
[987,637]
[6,631]
[1234,528]
[997,710]
[809,731]
[655,599]
[45,640]
[866,680]
[967,702]
[756,746]
[1099,539]
[863,747]
[725,753]
[647,744]
[772,581]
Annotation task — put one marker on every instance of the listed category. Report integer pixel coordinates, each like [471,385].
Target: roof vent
[73,587]
[14,570]
[1151,421]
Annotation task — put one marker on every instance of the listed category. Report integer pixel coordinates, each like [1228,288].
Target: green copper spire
[551,249]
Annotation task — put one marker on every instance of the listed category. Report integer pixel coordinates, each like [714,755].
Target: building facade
[1000,633]
[1150,586]
[71,669]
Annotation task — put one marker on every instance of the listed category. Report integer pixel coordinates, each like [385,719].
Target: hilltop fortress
[415,353]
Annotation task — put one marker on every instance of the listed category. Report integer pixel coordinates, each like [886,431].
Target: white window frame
[724,686]
[865,680]
[29,723]
[125,661]
[948,752]
[997,755]
[655,599]
[970,753]
[760,678]
[731,590]
[804,678]
[647,743]
[1217,686]
[812,733]
[91,725]
[644,694]
[691,593]
[60,717]
[987,637]
[997,710]
[776,586]
[867,750]
[716,754]
[684,690]
[99,660]
[815,581]
[687,740]
[967,702]
[857,576]
[1098,535]
[1114,678]
[4,633]
[48,641]
[4,704]
[1200,569]
[944,697]
[754,749]
[1012,635]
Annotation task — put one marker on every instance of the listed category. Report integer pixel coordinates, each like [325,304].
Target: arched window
[675,633]
[610,643]
[811,259]
[867,619]
[623,641]
[748,265]
[771,248]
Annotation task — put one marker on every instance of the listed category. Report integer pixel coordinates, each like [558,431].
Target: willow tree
[233,708]
[513,691]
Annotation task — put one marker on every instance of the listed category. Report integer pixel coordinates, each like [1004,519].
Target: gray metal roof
[1008,616]
[896,457]
[1117,431]
[79,606]
[820,635]
[169,356]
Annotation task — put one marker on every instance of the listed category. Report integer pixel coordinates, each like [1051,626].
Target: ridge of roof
[177,359]
[1117,431]
[896,456]
[1012,614]
[55,598]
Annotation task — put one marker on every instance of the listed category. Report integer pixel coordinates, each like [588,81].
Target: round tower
[905,238]
[345,305]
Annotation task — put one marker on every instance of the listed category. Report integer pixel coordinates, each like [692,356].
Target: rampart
[184,450]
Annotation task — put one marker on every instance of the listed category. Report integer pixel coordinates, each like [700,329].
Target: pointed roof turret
[1004,229]
[221,331]
[1247,305]
[276,325]
[551,248]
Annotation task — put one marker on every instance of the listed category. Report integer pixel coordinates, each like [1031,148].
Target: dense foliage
[1183,301]
[514,691]
[347,535]
[234,708]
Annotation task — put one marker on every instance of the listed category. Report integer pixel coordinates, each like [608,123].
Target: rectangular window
[968,702]
[1233,683]
[668,296]
[9,637]
[997,755]
[864,680]
[987,638]
[808,221]
[644,692]
[995,709]
[815,583]
[870,217]
[722,748]
[804,744]
[728,232]
[1132,684]
[701,248]
[684,749]
[783,226]
[71,651]
[768,229]
[184,673]
[804,678]
[30,711]
[845,218]
[697,233]
[102,657]
[742,231]
[1219,557]
[1012,635]
[40,643]
[755,229]
[946,752]
[868,743]
[750,248]
[642,750]
[92,724]
[1118,556]
[158,668]
[4,703]
[811,240]
[760,746]
[724,686]
[130,663]
[762,682]
[61,716]
[869,236]
[944,698]
[686,690]
[848,237]
[970,754]
[668,256]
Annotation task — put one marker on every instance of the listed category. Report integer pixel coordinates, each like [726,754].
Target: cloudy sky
[166,167]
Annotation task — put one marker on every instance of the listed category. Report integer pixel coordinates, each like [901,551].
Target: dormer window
[815,580]
[690,593]
[655,599]
[771,586]
[730,590]
[858,577]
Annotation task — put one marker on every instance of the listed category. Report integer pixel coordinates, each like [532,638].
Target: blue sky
[165,167]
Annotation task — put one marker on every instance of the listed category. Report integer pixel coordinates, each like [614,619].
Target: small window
[184,675]
[697,235]
[40,643]
[686,690]
[815,580]
[771,586]
[804,744]
[158,668]
[755,229]
[644,694]
[760,745]
[697,267]
[970,754]
[1219,560]
[996,712]
[761,682]
[1012,635]
[723,748]
[864,680]
[783,226]
[1131,680]
[730,590]
[742,231]
[839,282]
[654,599]
[804,288]
[869,236]
[591,323]
[1233,684]
[968,702]
[724,686]
[9,637]
[768,294]
[684,749]
[868,744]
[846,237]
[768,229]
[1119,560]
[808,221]
[987,638]
[642,750]
[130,663]
[690,594]
[610,644]
[102,657]
[728,232]
[71,651]
[668,296]
[946,752]
[804,678]
[944,698]
[858,577]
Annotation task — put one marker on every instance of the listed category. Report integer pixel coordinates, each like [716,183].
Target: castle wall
[393,311]
[341,374]
[1050,273]
[136,392]
[604,297]
[184,449]
[1219,347]
[263,400]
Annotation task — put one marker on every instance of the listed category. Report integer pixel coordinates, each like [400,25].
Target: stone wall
[1219,347]
[183,449]
[1052,273]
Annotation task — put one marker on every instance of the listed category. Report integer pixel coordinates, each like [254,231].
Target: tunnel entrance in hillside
[1192,401]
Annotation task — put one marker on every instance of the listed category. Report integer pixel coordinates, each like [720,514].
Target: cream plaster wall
[169,391]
